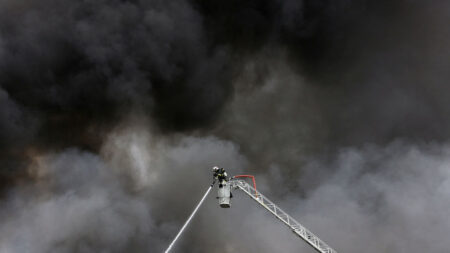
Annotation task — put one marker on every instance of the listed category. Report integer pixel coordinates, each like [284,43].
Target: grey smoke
[84,203]
[379,199]
[113,112]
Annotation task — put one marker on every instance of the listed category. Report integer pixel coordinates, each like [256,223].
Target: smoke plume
[112,113]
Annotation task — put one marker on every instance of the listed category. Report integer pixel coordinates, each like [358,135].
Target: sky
[113,112]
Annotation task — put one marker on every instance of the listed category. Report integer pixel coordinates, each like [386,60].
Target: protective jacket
[220,174]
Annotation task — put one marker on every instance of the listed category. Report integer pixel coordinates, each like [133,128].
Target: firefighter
[220,174]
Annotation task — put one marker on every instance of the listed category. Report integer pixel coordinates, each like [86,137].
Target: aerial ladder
[224,196]
[281,215]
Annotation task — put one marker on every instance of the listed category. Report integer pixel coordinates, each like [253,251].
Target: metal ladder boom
[296,227]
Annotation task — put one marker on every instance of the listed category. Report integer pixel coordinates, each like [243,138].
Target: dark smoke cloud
[112,113]
[71,71]
[89,62]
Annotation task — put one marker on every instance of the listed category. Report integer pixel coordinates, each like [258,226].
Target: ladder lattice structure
[296,227]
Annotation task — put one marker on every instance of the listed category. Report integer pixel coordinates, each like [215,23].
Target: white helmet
[215,168]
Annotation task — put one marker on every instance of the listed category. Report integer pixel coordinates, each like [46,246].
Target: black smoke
[107,105]
[71,71]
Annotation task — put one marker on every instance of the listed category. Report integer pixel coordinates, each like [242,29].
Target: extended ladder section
[296,227]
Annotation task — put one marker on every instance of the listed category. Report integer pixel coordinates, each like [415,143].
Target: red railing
[253,179]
